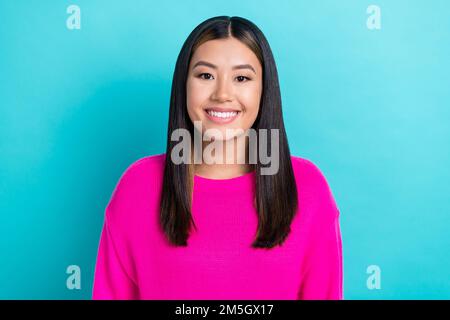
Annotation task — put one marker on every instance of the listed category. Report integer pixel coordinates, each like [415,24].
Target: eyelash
[201,74]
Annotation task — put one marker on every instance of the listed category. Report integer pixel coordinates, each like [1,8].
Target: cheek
[195,95]
[251,98]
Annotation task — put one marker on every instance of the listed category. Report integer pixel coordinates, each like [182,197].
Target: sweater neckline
[244,181]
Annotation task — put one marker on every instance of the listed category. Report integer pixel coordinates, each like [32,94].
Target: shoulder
[148,164]
[139,182]
[313,187]
[134,199]
[307,170]
[143,168]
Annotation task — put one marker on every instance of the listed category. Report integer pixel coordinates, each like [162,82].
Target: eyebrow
[208,64]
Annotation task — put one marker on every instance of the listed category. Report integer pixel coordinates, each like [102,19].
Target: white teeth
[222,114]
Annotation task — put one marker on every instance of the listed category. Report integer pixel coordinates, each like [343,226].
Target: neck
[230,159]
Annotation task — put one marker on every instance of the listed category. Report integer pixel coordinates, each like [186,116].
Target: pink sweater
[135,261]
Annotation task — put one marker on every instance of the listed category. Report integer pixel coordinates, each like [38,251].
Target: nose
[223,91]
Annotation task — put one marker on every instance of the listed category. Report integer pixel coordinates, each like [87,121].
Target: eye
[242,78]
[205,76]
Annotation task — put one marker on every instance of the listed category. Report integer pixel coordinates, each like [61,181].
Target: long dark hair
[275,195]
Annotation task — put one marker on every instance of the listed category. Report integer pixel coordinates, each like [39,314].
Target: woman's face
[224,86]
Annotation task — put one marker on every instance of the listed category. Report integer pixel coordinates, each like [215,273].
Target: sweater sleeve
[322,279]
[322,274]
[111,280]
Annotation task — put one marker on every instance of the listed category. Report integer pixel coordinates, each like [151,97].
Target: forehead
[225,52]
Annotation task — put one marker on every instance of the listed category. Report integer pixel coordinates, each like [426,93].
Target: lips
[222,115]
[219,109]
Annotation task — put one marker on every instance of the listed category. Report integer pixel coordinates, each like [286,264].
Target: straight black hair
[275,196]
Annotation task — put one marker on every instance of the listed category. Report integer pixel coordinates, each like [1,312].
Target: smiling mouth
[222,116]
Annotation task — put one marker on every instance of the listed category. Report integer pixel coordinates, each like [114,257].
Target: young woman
[180,226]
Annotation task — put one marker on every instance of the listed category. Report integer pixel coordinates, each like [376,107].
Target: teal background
[369,107]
